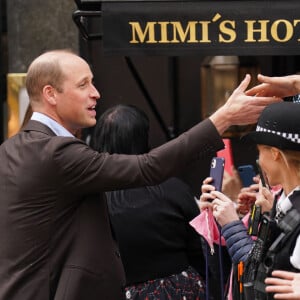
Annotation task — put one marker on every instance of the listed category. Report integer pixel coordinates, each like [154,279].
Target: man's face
[75,104]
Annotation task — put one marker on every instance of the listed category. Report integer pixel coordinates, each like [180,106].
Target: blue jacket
[238,241]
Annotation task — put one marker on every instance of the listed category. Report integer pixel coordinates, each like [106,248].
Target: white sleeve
[295,258]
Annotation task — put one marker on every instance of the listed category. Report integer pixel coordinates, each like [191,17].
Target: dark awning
[176,28]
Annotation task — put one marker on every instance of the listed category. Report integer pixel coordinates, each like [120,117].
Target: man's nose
[94,93]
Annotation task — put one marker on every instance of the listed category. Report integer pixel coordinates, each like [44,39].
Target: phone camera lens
[213,163]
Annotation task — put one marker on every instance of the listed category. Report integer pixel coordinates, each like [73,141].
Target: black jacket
[153,231]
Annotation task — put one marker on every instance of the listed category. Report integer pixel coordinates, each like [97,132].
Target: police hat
[278,126]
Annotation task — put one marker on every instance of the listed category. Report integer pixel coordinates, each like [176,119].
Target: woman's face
[268,164]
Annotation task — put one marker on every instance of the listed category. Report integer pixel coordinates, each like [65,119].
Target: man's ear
[49,94]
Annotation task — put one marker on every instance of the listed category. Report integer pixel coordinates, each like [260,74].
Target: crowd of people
[278,143]
[111,220]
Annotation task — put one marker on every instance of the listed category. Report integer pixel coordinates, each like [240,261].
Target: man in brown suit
[55,236]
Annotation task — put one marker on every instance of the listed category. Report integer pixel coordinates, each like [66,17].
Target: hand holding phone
[217,172]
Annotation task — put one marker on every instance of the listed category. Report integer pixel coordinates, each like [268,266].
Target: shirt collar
[284,203]
[58,129]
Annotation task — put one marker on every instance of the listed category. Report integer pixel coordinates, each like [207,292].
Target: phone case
[217,171]
[246,173]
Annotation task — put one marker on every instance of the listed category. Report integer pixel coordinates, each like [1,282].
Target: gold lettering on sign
[204,32]
[261,29]
[179,32]
[227,28]
[138,36]
[163,32]
[224,31]
[288,29]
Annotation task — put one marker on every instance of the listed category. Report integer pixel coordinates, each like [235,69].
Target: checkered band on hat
[296,98]
[293,137]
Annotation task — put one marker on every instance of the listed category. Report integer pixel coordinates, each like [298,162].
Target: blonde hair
[291,158]
[45,70]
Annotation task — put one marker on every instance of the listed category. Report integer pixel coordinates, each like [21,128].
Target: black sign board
[177,28]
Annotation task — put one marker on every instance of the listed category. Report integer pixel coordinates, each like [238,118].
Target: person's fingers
[243,85]
[247,196]
[277,281]
[263,101]
[204,205]
[279,289]
[245,189]
[220,196]
[207,180]
[264,79]
[256,179]
[283,274]
[206,188]
[206,197]
[256,90]
[253,188]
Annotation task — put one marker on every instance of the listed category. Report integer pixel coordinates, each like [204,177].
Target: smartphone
[217,172]
[262,176]
[227,154]
[246,172]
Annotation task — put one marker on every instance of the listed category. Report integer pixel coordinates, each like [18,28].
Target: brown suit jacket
[55,235]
